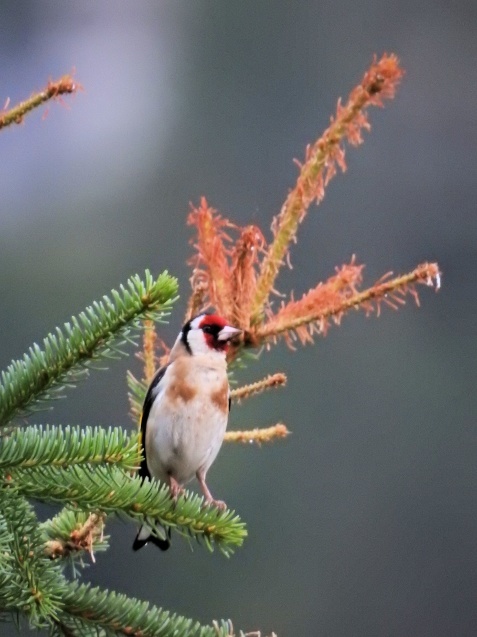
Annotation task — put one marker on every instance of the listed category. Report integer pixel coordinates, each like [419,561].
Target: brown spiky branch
[272,380]
[257,435]
[149,357]
[196,301]
[245,261]
[211,267]
[235,272]
[304,317]
[321,161]
[154,354]
[53,90]
[225,266]
[80,539]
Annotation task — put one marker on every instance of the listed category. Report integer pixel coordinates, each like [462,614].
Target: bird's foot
[209,499]
[175,487]
[218,504]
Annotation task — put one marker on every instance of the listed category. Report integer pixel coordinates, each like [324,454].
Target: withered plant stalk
[235,271]
[53,90]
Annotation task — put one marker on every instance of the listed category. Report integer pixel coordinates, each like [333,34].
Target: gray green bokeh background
[363,522]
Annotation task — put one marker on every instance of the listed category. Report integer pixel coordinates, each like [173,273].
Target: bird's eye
[208,329]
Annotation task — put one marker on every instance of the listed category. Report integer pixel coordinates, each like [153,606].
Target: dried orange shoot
[235,271]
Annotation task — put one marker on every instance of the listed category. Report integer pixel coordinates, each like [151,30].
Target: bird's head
[206,333]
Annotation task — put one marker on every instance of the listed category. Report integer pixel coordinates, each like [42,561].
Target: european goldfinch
[185,412]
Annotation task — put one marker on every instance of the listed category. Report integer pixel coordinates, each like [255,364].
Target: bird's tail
[145,535]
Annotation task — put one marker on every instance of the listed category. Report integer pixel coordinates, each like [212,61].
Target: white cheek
[197,344]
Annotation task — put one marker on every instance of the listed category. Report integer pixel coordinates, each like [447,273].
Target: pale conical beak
[228,332]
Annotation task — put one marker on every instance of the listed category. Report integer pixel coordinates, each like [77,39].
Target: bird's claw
[218,504]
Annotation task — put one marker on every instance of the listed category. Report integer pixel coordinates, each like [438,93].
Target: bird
[185,413]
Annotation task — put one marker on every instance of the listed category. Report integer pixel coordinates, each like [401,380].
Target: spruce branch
[136,393]
[112,491]
[71,533]
[30,581]
[35,586]
[7,560]
[61,447]
[54,90]
[73,627]
[96,333]
[121,615]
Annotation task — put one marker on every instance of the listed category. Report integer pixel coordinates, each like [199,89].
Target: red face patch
[213,320]
[211,325]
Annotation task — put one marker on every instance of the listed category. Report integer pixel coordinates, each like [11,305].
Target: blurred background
[364,521]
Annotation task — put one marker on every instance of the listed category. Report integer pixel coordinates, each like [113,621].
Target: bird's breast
[200,382]
[188,419]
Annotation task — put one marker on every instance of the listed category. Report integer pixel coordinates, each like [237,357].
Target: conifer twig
[97,332]
[321,160]
[292,319]
[30,582]
[257,435]
[113,491]
[196,300]
[81,538]
[53,90]
[149,340]
[68,446]
[272,380]
[212,252]
[131,617]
